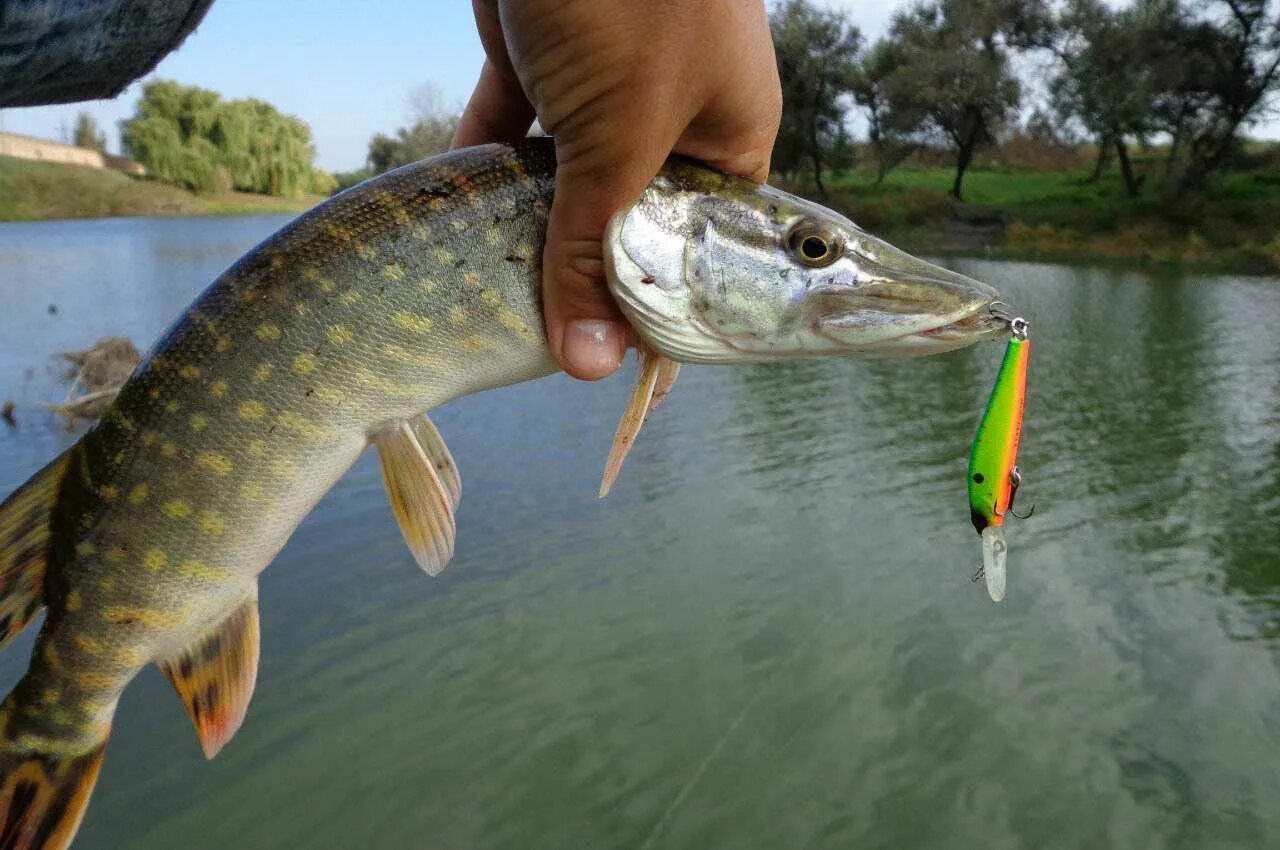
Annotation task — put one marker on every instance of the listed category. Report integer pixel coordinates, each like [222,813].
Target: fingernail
[592,348]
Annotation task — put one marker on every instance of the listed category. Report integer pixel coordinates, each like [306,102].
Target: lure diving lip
[993,477]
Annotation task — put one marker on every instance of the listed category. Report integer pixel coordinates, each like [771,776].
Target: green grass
[1061,215]
[32,191]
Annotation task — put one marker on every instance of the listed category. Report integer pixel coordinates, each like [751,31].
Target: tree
[1221,75]
[430,132]
[891,133]
[816,50]
[955,71]
[190,136]
[87,134]
[1110,74]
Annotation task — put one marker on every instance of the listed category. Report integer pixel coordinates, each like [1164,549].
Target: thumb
[585,330]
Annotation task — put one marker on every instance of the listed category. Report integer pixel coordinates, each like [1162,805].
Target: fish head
[710,268]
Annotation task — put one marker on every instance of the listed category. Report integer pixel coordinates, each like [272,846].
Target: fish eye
[814,246]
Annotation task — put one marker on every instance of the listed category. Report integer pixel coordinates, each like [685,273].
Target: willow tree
[190,136]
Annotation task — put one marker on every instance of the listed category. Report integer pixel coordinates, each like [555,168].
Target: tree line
[1190,74]
[191,137]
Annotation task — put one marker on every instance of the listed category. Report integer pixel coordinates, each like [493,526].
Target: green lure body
[993,477]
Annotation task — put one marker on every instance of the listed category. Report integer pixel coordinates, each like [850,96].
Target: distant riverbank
[34,191]
[1057,216]
[1062,216]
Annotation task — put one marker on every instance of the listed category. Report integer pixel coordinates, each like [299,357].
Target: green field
[31,191]
[1062,216]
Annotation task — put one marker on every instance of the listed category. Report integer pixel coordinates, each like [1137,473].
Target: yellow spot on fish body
[51,656]
[304,364]
[492,297]
[154,393]
[222,344]
[215,463]
[428,285]
[138,494]
[169,449]
[475,342]
[493,235]
[118,458]
[262,372]
[364,252]
[212,522]
[130,656]
[471,278]
[154,560]
[329,395]
[115,554]
[338,232]
[277,263]
[302,308]
[399,354]
[252,410]
[257,448]
[282,467]
[267,332]
[202,571]
[141,617]
[171,406]
[199,422]
[421,232]
[458,225]
[394,272]
[50,695]
[189,372]
[84,549]
[177,508]
[107,583]
[312,276]
[351,296]
[510,320]
[300,425]
[149,438]
[87,644]
[444,256]
[409,322]
[218,389]
[457,314]
[73,601]
[109,492]
[339,334]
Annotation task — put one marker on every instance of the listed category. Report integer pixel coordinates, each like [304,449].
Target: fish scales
[368,310]
[144,540]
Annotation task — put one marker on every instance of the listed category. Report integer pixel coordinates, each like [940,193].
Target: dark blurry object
[62,51]
[6,413]
[53,309]
[97,374]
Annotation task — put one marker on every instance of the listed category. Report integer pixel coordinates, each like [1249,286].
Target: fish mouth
[913,316]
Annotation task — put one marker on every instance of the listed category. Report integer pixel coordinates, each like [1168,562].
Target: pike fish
[142,543]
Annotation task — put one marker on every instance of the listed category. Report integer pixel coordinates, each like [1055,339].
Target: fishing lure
[993,472]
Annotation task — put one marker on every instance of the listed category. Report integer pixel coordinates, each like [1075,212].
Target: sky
[345,68]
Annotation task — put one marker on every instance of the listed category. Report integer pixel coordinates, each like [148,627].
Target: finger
[585,331]
[497,112]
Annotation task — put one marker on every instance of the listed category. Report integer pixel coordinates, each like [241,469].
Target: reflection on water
[767,636]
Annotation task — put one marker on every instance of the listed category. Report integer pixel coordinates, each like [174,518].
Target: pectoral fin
[421,502]
[657,376]
[438,453]
[215,676]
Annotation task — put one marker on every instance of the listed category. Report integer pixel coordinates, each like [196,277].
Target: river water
[767,636]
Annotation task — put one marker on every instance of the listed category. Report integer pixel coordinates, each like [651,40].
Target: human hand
[620,84]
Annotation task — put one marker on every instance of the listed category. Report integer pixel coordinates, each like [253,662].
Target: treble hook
[1015,481]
